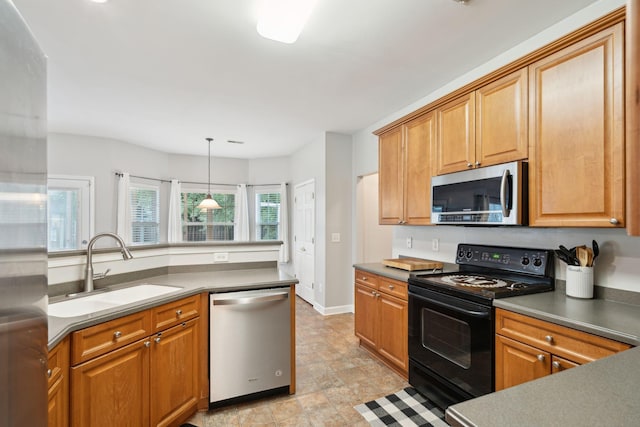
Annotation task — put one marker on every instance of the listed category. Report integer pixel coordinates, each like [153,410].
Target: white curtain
[174,231]
[123,215]
[241,232]
[284,223]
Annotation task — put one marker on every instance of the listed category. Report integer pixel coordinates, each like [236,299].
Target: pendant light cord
[209,180]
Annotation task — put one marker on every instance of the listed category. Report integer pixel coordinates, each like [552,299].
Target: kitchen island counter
[191,284]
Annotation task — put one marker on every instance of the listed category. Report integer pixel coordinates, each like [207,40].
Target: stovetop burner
[489,272]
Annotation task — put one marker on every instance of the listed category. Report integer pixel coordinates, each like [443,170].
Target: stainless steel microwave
[493,195]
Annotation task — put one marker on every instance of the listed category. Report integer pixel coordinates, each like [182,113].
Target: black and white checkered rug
[404,408]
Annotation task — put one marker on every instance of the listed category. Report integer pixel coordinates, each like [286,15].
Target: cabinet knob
[117,334]
[556,365]
[373,293]
[49,372]
[179,312]
[157,339]
[541,357]
[391,287]
[147,343]
[364,278]
[613,221]
[549,339]
[477,164]
[469,165]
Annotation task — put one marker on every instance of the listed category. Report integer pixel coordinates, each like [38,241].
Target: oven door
[450,346]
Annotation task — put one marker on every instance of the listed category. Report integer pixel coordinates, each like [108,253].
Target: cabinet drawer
[58,362]
[105,337]
[574,345]
[367,279]
[393,287]
[173,313]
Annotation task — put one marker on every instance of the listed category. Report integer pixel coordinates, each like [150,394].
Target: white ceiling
[166,74]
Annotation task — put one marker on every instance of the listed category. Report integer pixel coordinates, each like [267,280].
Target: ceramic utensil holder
[579,281]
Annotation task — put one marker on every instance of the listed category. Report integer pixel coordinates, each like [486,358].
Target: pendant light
[208,203]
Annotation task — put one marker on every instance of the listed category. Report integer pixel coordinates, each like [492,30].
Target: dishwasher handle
[252,300]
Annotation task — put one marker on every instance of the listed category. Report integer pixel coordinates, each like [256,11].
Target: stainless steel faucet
[88,272]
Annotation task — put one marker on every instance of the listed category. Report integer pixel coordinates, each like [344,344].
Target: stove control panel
[518,260]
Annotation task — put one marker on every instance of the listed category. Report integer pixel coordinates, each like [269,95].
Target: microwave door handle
[503,194]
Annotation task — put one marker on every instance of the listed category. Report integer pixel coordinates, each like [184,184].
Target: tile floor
[333,375]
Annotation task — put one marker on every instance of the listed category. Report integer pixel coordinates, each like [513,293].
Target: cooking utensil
[563,257]
[596,249]
[573,260]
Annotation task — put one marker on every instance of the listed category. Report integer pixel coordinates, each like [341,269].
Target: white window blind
[267,215]
[145,214]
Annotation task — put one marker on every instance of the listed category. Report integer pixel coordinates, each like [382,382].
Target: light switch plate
[335,237]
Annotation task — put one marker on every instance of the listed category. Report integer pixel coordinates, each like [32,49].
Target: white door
[304,238]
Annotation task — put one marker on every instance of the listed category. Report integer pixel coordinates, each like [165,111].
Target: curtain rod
[120,174]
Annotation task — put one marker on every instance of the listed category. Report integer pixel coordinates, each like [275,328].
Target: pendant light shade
[208,203]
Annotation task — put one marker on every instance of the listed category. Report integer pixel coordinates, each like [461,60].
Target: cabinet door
[366,315]
[393,336]
[576,119]
[517,363]
[174,373]
[390,176]
[58,399]
[113,389]
[456,141]
[501,120]
[419,137]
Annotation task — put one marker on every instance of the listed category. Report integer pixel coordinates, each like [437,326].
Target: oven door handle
[472,313]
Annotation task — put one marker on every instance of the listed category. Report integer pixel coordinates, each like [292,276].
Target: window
[70,212]
[199,225]
[145,214]
[267,215]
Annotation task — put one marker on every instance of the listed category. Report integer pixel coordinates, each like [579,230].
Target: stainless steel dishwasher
[250,343]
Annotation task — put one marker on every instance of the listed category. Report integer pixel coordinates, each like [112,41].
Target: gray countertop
[191,283]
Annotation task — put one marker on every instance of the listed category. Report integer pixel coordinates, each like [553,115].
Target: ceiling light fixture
[208,203]
[283,20]
[99,1]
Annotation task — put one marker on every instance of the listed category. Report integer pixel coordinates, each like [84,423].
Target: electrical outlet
[221,257]
[409,242]
[435,245]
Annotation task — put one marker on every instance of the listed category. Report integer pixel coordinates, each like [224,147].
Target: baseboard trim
[328,311]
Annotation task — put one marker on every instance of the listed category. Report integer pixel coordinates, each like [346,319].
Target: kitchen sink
[83,305]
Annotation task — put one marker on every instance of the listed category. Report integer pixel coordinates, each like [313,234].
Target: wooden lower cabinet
[58,386]
[381,319]
[528,348]
[174,386]
[154,381]
[113,389]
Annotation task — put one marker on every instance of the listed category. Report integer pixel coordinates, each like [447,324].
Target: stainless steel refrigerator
[23,224]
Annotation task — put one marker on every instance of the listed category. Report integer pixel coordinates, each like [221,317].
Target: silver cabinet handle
[117,334]
[179,312]
[556,365]
[477,164]
[49,372]
[147,343]
[251,300]
[373,293]
[157,339]
[549,339]
[613,221]
[541,357]
[469,164]
[391,287]
[364,278]
[184,324]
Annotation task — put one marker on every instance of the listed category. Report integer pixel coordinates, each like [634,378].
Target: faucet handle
[98,276]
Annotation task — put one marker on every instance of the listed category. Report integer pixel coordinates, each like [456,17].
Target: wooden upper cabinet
[405,169]
[501,120]
[419,136]
[576,134]
[455,145]
[390,176]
